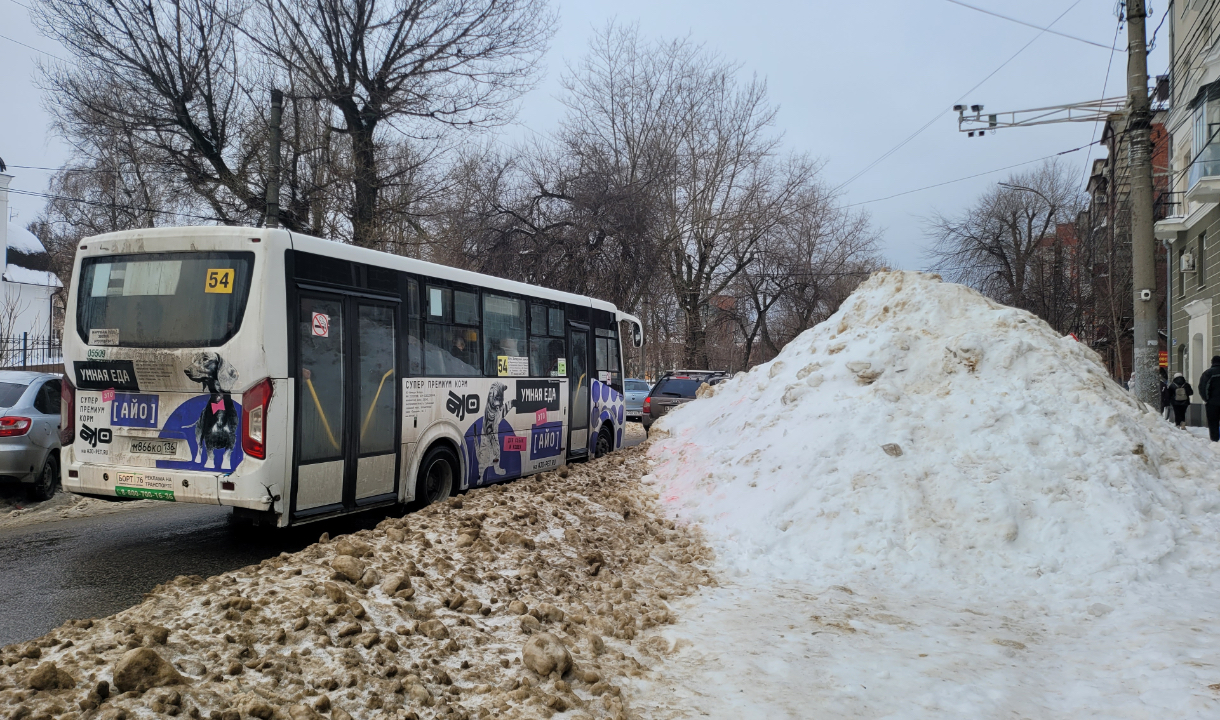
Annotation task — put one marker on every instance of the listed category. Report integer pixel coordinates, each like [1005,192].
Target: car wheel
[48,481]
[604,443]
[437,477]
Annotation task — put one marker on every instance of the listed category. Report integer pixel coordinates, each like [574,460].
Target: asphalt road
[94,567]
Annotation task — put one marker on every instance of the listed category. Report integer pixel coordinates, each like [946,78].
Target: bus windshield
[161,300]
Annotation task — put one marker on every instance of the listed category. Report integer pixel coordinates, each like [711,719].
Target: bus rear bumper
[158,484]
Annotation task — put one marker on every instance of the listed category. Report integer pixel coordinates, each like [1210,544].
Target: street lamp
[1028,189]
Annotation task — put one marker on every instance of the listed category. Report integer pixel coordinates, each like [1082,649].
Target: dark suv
[675,388]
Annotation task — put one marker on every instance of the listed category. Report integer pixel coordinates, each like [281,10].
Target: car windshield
[677,387]
[637,386]
[10,393]
[164,299]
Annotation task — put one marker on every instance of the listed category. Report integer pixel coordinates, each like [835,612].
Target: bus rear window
[163,300]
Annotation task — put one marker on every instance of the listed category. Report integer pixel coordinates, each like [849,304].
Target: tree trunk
[365,186]
[695,355]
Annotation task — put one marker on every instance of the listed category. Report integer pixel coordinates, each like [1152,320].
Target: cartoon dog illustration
[216,428]
[487,442]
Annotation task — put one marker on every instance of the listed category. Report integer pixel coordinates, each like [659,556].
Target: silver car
[635,390]
[29,431]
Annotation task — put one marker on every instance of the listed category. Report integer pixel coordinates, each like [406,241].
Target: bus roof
[308,243]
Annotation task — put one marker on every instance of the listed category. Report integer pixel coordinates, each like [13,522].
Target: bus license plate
[155,447]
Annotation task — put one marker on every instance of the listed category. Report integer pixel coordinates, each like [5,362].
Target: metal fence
[25,351]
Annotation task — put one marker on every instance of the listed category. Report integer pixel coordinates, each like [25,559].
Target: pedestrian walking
[1209,391]
[1179,392]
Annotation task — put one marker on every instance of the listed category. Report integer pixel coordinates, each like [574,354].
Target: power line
[949,109]
[128,208]
[150,168]
[31,47]
[971,177]
[1031,25]
[27,7]
[1152,42]
[1104,85]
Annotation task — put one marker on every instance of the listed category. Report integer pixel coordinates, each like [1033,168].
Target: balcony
[1205,176]
[1204,179]
[1169,212]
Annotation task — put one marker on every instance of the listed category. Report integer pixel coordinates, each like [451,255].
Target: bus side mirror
[637,335]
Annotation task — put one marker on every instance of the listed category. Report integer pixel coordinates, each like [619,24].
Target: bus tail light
[12,426]
[647,405]
[67,412]
[254,404]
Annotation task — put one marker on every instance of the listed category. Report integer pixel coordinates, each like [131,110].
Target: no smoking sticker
[321,325]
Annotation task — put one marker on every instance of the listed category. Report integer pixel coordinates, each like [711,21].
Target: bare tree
[1000,245]
[802,272]
[170,73]
[448,63]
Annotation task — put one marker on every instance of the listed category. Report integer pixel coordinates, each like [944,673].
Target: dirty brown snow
[523,600]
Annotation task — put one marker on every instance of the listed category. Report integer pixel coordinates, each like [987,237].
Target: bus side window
[503,331]
[545,354]
[415,350]
[608,370]
[451,334]
[537,320]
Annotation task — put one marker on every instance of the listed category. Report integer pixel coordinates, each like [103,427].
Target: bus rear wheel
[437,477]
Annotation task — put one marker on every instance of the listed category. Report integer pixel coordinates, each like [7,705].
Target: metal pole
[273,182]
[24,338]
[1168,305]
[1143,243]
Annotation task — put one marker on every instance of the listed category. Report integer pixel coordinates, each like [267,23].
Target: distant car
[636,390]
[29,431]
[676,388]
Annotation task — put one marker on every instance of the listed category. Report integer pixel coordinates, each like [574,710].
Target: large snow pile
[933,506]
[927,433]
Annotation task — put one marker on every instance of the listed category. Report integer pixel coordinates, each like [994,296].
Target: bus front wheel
[437,476]
[605,442]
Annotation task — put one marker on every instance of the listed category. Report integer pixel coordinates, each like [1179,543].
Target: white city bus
[295,378]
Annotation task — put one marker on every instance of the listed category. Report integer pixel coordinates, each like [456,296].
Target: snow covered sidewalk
[782,650]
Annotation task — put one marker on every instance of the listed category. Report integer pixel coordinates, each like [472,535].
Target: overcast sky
[852,80]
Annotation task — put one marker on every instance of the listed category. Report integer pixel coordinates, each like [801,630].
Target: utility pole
[1143,243]
[273,183]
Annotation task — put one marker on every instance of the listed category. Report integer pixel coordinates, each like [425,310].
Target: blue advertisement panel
[134,410]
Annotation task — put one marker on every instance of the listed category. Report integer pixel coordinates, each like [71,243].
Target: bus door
[578,386]
[346,418]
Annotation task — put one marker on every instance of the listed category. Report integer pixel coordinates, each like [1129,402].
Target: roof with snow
[22,242]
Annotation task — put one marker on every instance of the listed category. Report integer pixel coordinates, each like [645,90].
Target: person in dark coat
[1178,394]
[1209,391]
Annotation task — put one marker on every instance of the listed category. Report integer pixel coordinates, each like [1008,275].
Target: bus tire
[605,441]
[438,473]
[47,481]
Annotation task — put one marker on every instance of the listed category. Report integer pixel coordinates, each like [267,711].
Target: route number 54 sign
[220,280]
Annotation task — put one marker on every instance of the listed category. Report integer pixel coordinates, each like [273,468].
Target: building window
[1205,134]
[1181,274]
[1201,261]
